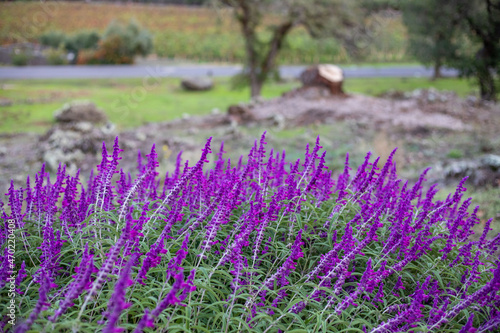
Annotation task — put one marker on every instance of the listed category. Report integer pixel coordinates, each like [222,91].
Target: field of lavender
[262,244]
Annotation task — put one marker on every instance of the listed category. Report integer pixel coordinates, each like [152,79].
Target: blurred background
[420,75]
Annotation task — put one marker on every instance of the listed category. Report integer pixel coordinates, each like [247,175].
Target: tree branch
[275,46]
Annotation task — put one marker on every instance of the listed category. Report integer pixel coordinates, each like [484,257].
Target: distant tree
[432,28]
[319,17]
[482,22]
[464,34]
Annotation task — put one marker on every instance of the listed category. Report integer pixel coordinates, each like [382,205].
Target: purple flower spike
[78,285]
[491,325]
[20,277]
[171,298]
[40,305]
[184,179]
[117,302]
[144,322]
[468,328]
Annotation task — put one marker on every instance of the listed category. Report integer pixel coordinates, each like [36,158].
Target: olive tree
[482,21]
[432,31]
[464,34]
[265,24]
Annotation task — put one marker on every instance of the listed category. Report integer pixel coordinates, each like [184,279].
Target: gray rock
[279,121]
[461,169]
[78,135]
[80,111]
[492,161]
[484,171]
[84,126]
[53,157]
[197,84]
[141,136]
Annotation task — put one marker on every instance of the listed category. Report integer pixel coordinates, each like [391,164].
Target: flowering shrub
[264,245]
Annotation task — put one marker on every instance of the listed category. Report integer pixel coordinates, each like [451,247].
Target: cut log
[324,75]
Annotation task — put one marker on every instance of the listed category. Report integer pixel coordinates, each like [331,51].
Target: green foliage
[214,306]
[464,34]
[61,43]
[301,48]
[199,34]
[482,25]
[20,58]
[56,56]
[84,40]
[119,45]
[432,27]
[134,40]
[53,39]
[455,153]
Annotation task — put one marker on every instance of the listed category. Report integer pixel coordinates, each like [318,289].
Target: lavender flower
[103,272]
[184,179]
[20,277]
[172,298]
[492,324]
[80,282]
[117,302]
[40,305]
[468,328]
[491,286]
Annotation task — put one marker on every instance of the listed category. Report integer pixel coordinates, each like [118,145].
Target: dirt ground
[430,128]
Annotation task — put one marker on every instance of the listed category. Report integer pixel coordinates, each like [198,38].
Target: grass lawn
[376,86]
[128,103]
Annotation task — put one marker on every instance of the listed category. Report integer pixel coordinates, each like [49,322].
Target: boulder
[78,134]
[197,84]
[484,171]
[325,75]
[491,161]
[79,111]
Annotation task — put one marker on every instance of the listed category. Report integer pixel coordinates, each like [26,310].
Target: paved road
[136,71]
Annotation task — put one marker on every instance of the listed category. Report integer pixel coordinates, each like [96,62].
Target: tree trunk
[437,70]
[255,86]
[248,21]
[484,58]
[486,84]
[259,73]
